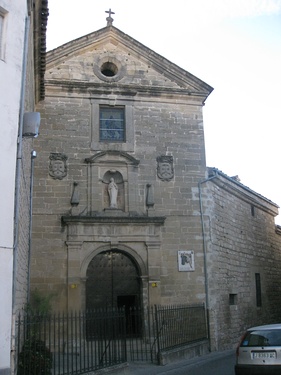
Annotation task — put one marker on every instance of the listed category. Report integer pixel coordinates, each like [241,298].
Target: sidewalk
[141,368]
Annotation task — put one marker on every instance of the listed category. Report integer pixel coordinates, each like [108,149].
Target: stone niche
[120,166]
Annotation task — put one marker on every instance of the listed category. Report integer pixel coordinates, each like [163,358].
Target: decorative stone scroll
[75,195]
[165,169]
[149,196]
[57,166]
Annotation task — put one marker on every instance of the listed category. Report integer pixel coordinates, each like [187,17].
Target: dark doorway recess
[132,312]
[113,281]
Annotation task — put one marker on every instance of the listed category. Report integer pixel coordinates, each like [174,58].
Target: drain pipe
[205,252]
[33,156]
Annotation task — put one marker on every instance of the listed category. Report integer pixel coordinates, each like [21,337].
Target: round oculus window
[109,69]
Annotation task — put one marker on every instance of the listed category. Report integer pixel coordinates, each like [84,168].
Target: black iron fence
[179,325]
[64,344]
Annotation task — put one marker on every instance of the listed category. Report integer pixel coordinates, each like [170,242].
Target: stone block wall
[160,129]
[21,271]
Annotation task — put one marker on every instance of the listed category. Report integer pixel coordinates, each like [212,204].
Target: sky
[232,45]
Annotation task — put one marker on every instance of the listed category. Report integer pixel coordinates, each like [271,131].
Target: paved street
[221,363]
[209,366]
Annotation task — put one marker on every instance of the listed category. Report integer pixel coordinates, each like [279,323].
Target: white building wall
[11,59]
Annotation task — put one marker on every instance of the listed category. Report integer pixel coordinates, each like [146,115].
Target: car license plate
[263,355]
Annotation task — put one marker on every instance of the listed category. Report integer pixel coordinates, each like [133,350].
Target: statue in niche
[57,167]
[112,192]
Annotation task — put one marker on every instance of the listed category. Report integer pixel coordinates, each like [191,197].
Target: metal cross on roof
[109,18]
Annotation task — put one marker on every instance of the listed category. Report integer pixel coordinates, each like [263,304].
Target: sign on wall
[186,260]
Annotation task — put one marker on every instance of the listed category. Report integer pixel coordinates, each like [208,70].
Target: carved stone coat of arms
[57,166]
[165,169]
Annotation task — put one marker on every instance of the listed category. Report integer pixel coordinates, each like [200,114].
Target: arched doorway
[113,280]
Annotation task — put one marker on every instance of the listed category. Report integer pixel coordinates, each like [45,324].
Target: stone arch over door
[113,279]
[87,236]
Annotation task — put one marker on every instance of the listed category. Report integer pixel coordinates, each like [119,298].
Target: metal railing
[179,325]
[77,343]
[61,344]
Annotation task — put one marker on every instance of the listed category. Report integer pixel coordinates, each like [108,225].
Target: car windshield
[262,338]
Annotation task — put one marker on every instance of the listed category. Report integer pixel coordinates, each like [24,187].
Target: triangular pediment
[137,65]
[112,157]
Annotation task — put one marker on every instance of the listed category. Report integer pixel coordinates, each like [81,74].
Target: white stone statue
[112,191]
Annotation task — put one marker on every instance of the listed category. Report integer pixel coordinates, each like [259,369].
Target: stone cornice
[92,89]
[146,220]
[41,13]
[241,191]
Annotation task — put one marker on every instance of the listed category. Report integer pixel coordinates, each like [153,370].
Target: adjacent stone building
[242,248]
[124,212]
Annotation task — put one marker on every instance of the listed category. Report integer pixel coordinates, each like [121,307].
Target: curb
[151,369]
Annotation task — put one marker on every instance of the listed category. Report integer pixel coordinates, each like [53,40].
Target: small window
[1,34]
[1,25]
[112,124]
[232,299]
[253,210]
[109,69]
[3,21]
[258,289]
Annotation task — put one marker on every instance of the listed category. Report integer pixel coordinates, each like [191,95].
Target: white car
[259,351]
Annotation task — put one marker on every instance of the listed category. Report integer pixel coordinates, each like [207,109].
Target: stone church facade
[124,210]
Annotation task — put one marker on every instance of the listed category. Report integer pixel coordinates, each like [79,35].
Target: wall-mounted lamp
[31,124]
[154,285]
[73,286]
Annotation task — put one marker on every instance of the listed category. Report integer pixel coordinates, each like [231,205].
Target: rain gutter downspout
[205,253]
[33,156]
